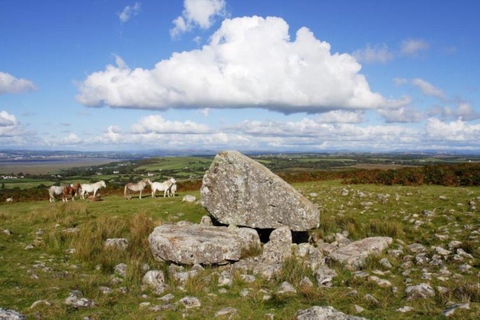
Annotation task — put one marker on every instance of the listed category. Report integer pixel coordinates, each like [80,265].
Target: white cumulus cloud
[198,13]
[13,132]
[249,62]
[452,131]
[10,84]
[462,110]
[401,115]
[129,11]
[157,124]
[341,116]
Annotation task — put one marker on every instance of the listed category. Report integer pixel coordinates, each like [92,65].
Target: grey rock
[353,255]
[405,309]
[358,309]
[420,291]
[6,314]
[384,262]
[306,282]
[116,243]
[189,198]
[167,297]
[244,292]
[248,278]
[77,301]
[206,221]
[249,237]
[368,297]
[190,302]
[324,276]
[38,302]
[279,246]
[450,310]
[195,244]
[324,313]
[286,288]
[230,312]
[416,248]
[121,269]
[238,190]
[225,279]
[155,280]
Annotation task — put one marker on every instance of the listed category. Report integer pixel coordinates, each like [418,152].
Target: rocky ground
[423,262]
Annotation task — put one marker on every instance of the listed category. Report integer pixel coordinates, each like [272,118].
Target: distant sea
[50,165]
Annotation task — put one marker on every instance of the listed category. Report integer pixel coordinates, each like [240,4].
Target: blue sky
[248,75]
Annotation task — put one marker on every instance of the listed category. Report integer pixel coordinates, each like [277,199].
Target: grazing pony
[55,191]
[172,190]
[71,190]
[139,186]
[86,188]
[163,186]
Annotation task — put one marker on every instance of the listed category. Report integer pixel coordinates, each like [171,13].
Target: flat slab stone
[191,244]
[353,255]
[238,190]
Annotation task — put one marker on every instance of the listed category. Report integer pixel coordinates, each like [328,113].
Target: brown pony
[70,190]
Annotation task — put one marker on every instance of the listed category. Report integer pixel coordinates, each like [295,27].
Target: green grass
[91,266]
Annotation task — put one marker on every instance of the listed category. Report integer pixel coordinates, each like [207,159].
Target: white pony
[86,188]
[139,186]
[55,191]
[172,190]
[163,186]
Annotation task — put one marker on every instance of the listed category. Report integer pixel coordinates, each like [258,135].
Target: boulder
[189,198]
[238,190]
[324,313]
[279,246]
[11,315]
[116,243]
[191,244]
[353,255]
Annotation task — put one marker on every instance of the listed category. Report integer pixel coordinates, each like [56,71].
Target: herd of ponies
[169,187]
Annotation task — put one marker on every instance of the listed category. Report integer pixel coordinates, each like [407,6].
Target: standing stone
[238,190]
[279,246]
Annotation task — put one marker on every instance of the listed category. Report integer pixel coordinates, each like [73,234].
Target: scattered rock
[324,313]
[230,312]
[191,302]
[286,288]
[189,198]
[358,309]
[324,276]
[353,255]
[238,190]
[206,221]
[380,282]
[116,243]
[420,291]
[385,263]
[75,300]
[6,314]
[121,269]
[405,309]
[225,279]
[36,303]
[306,282]
[155,280]
[368,297]
[450,310]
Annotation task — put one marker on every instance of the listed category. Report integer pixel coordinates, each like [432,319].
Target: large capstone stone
[353,255]
[238,190]
[191,244]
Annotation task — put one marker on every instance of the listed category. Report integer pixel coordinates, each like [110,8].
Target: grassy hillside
[51,271]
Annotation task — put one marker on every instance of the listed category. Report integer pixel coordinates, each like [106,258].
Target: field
[429,215]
